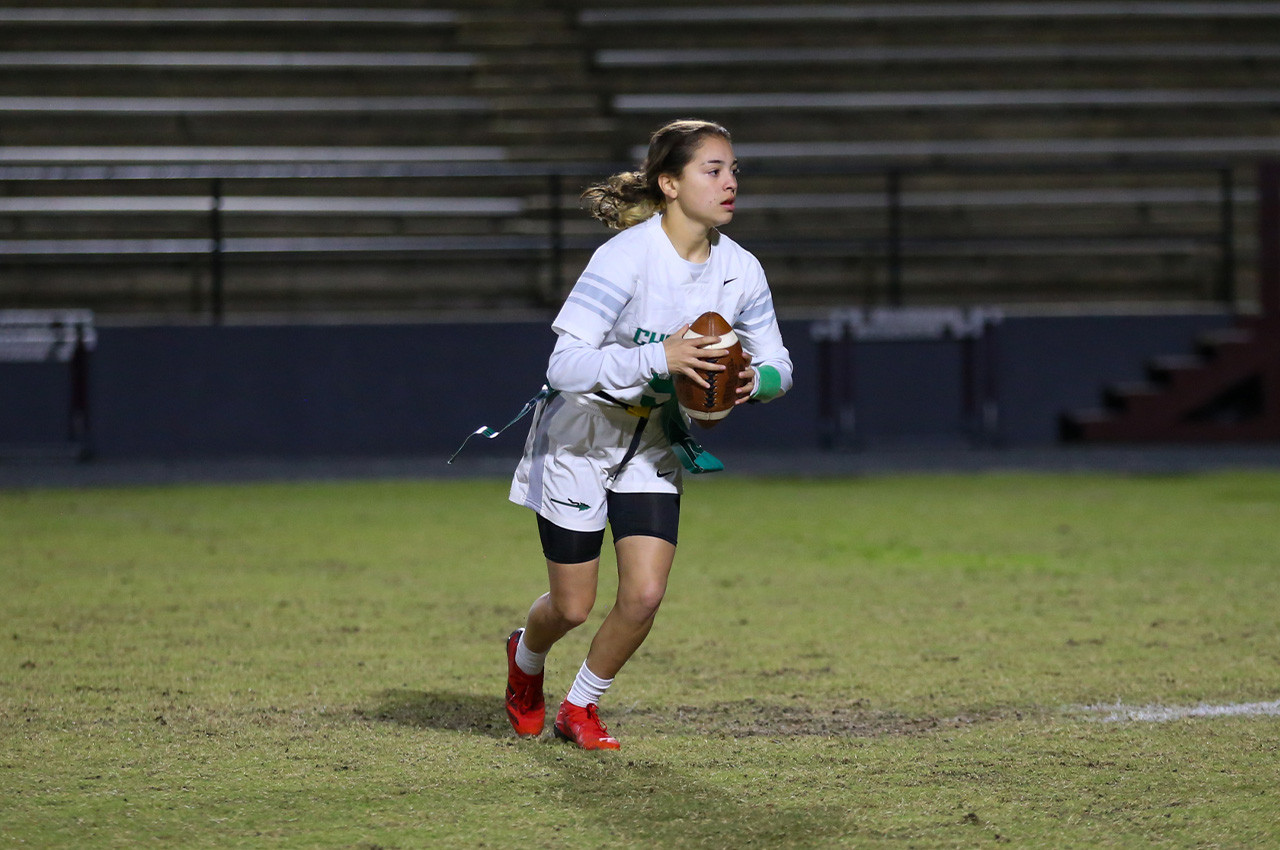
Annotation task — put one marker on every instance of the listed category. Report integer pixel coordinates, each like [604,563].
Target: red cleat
[525,706]
[582,726]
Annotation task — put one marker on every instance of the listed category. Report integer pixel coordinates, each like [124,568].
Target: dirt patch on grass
[752,718]
[456,712]
[746,718]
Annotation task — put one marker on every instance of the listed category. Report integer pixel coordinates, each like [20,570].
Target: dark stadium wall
[34,401]
[299,391]
[192,392]
[1049,364]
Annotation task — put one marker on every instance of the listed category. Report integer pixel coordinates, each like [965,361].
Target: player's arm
[769,373]
[577,366]
[580,362]
[580,367]
[592,308]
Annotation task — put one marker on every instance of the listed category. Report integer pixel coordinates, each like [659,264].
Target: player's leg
[573,567]
[644,564]
[573,564]
[565,488]
[645,530]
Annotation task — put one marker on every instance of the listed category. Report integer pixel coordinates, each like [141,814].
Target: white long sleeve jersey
[637,291]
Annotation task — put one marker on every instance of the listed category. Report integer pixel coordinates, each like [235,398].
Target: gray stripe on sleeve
[592,307]
[758,315]
[601,296]
[617,290]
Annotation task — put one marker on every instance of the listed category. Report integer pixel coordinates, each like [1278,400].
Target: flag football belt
[692,456]
[638,411]
[546,393]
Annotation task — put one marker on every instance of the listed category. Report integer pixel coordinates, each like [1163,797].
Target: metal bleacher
[318,158]
[41,155]
[986,119]
[341,157]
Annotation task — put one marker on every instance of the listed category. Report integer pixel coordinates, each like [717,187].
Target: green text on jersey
[644,337]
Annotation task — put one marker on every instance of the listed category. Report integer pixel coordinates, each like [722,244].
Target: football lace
[710,392]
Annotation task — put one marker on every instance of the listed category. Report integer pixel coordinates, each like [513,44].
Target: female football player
[594,453]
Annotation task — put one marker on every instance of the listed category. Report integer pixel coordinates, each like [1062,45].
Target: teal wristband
[768,383]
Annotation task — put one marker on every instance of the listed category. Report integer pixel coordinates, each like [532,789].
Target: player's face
[708,187]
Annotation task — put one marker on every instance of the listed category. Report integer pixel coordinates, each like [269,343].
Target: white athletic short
[571,457]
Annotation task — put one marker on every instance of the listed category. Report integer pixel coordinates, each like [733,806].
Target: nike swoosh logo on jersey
[728,281]
[665,474]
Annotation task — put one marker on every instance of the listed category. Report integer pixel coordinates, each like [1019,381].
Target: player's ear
[669,185]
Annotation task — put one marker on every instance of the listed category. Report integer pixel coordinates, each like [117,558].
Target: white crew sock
[526,659]
[587,688]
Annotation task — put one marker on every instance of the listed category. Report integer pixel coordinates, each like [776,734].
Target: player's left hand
[746,381]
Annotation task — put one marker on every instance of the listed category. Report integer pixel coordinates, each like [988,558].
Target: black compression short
[630,514]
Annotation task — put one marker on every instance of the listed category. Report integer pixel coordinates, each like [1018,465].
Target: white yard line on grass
[1163,713]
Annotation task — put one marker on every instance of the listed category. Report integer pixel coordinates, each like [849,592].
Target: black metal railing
[894,242]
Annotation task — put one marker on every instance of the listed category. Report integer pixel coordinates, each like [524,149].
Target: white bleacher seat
[234,60]
[144,17]
[124,249]
[817,13]
[119,248]
[960,149]
[233,105]
[950,100]
[1037,53]
[290,205]
[1021,198]
[95,154]
[1001,149]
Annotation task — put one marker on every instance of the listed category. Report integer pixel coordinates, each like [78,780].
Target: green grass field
[892,662]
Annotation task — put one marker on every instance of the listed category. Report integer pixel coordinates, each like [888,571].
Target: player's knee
[641,604]
[573,612]
[575,617]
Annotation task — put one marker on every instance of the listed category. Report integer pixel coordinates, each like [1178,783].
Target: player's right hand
[688,356]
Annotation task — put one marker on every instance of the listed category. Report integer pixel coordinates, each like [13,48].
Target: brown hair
[630,197]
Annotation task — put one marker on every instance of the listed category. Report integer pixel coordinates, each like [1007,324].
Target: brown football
[708,406]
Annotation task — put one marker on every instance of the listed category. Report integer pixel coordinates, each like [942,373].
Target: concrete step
[495,33]
[1215,344]
[1170,370]
[1129,397]
[1076,425]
